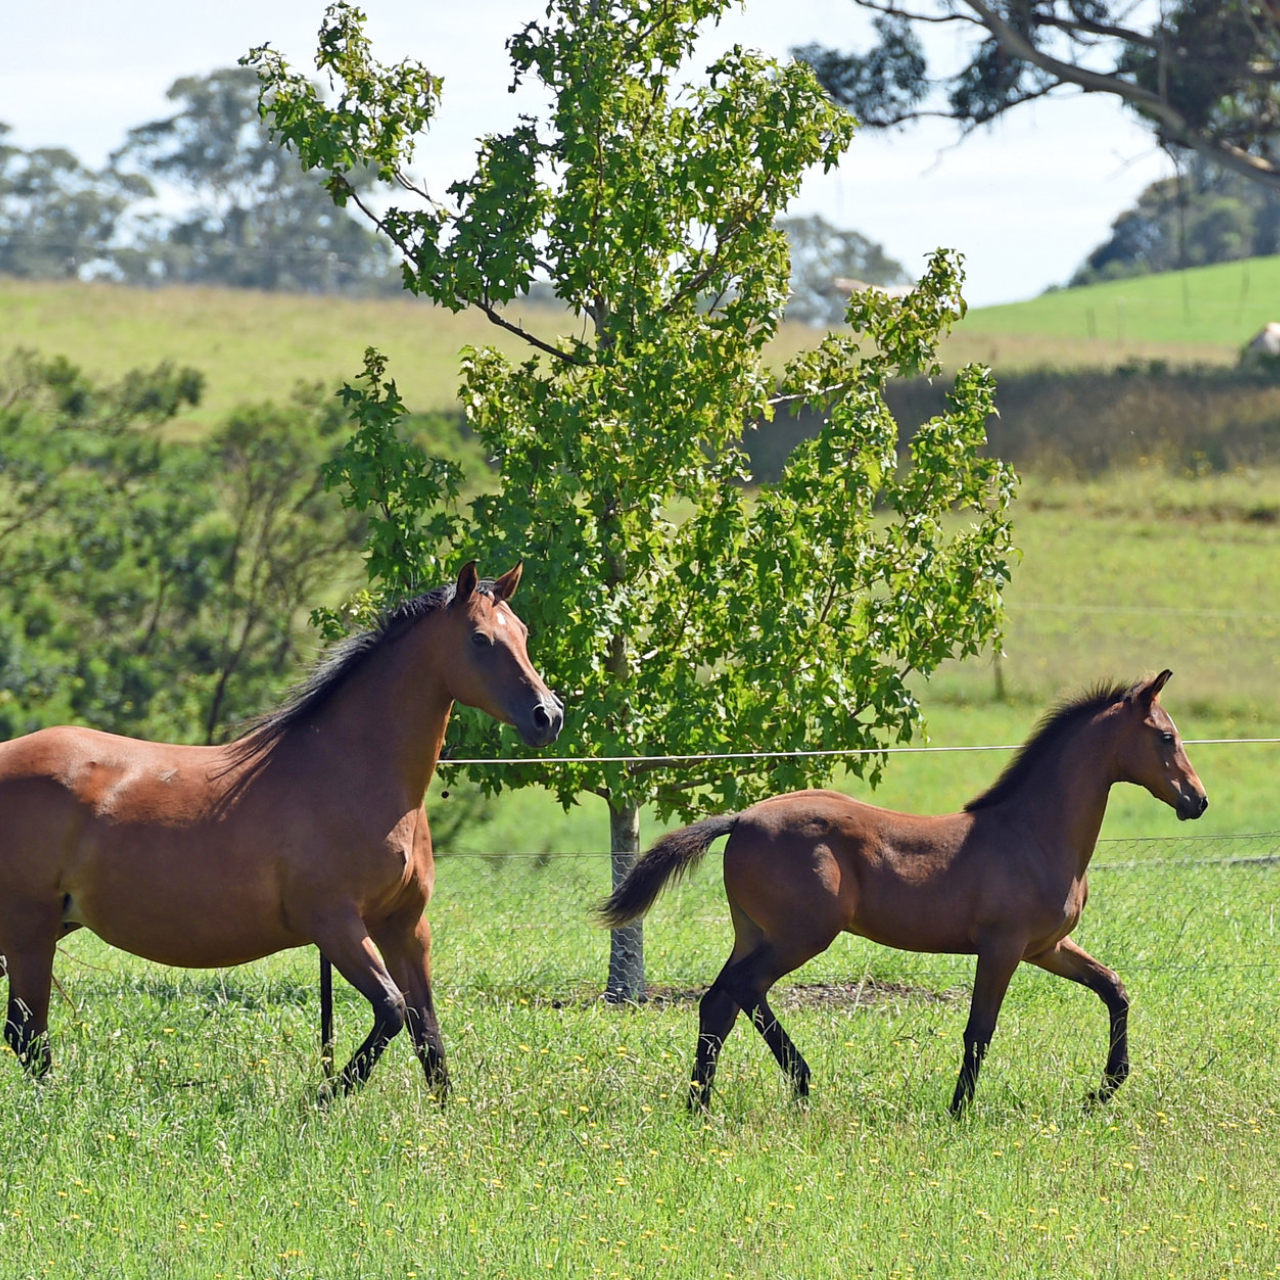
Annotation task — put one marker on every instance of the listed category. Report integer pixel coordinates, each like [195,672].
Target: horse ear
[505,587]
[467,579]
[1150,690]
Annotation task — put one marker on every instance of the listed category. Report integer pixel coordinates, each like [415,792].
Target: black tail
[671,857]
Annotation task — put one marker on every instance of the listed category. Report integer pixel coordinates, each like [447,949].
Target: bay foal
[1005,879]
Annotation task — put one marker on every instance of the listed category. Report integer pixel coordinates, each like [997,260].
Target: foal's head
[491,668]
[1151,753]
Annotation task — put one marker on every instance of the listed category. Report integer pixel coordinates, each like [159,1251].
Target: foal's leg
[346,942]
[1069,961]
[751,985]
[29,942]
[996,964]
[407,951]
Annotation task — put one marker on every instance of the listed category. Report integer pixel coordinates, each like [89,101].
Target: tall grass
[176,1137]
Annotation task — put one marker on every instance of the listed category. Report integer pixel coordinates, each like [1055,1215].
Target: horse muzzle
[1191,806]
[542,726]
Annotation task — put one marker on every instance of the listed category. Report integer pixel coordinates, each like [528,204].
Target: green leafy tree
[674,611]
[1204,75]
[153,586]
[255,219]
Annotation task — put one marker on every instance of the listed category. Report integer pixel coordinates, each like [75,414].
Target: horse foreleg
[1070,961]
[408,956]
[28,959]
[995,970]
[353,954]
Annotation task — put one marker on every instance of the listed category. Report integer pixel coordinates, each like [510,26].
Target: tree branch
[1176,127]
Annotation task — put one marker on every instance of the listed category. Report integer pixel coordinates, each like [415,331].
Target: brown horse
[309,828]
[1003,880]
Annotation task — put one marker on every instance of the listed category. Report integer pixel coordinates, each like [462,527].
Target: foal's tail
[670,858]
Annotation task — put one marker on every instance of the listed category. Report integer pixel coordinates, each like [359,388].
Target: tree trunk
[626,948]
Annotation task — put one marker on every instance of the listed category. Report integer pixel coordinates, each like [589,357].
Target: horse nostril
[541,717]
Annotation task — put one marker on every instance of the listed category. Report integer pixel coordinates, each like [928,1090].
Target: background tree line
[246,216]
[251,218]
[1204,215]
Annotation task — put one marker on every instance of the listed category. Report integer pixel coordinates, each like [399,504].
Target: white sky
[1024,201]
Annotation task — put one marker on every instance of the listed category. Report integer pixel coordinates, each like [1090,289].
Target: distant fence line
[1180,611]
[449,762]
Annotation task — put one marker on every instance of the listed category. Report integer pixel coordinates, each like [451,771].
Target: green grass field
[1206,308]
[254,346]
[176,1138]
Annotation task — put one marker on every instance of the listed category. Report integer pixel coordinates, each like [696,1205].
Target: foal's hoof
[699,1100]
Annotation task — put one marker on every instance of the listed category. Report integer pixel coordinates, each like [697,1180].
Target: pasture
[175,1136]
[1209,312]
[255,346]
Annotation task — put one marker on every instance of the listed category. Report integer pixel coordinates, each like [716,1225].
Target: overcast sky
[1024,202]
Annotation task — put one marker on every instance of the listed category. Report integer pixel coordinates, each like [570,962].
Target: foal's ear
[467,579]
[505,587]
[1148,692]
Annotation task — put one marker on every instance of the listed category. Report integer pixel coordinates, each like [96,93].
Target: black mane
[337,667]
[1058,721]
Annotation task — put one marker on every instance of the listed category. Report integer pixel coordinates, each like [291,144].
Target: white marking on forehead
[497,613]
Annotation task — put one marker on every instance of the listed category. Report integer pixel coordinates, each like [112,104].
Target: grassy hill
[255,346]
[1202,315]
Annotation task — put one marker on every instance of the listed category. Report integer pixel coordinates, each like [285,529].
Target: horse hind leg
[751,985]
[717,1012]
[743,984]
[29,944]
[718,1009]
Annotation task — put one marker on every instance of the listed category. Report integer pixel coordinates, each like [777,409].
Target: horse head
[492,670]
[1152,754]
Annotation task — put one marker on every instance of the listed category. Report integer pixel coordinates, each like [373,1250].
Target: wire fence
[1178,907]
[834,753]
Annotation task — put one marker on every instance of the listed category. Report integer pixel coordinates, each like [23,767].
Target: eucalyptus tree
[252,218]
[676,612]
[58,218]
[1202,75]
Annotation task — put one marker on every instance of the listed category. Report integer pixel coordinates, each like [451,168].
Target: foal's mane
[1050,730]
[337,667]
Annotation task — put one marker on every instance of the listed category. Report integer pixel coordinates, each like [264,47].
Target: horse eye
[1166,737]
[480,640]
